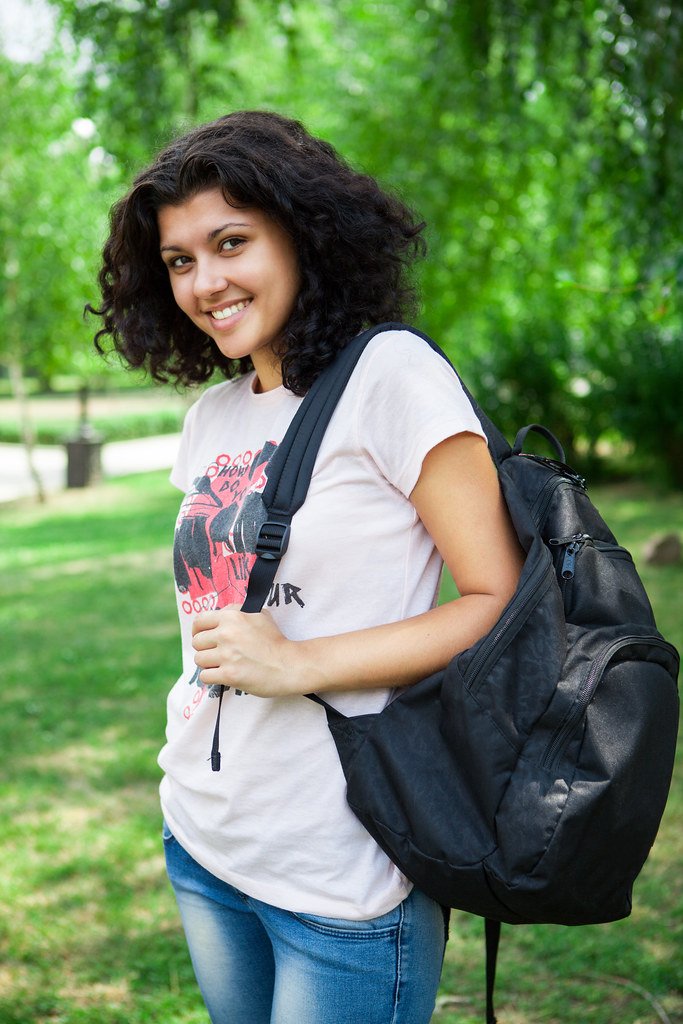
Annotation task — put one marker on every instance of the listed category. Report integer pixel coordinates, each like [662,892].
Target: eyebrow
[210,237]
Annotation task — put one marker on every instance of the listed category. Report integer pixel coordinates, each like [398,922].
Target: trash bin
[84,457]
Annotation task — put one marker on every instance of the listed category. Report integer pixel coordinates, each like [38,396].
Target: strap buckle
[272,540]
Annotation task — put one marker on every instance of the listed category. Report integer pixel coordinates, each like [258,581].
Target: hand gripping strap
[289,474]
[291,468]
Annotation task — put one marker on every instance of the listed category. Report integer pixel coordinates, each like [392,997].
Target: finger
[205,620]
[212,677]
[205,640]
[210,620]
[206,659]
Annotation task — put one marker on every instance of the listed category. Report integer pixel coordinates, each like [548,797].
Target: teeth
[223,314]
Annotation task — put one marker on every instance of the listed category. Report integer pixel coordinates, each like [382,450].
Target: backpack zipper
[543,499]
[587,689]
[560,468]
[545,496]
[573,545]
[536,580]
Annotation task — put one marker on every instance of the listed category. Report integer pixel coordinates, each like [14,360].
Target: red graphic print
[216,531]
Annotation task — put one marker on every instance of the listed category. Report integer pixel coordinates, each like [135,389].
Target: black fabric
[526,781]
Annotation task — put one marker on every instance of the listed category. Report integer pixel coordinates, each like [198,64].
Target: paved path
[118,459]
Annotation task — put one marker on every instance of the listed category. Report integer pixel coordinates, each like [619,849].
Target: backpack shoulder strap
[291,467]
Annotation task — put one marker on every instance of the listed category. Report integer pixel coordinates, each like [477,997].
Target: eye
[178,262]
[232,243]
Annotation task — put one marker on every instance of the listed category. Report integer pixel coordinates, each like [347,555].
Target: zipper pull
[567,571]
[572,546]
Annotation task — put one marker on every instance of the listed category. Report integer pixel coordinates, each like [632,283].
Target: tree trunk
[28,434]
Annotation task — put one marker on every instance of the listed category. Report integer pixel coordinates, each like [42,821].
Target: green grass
[88,928]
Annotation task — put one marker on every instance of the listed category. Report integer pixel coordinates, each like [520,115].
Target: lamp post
[84,449]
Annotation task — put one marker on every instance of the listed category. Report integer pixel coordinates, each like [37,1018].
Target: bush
[643,388]
[123,427]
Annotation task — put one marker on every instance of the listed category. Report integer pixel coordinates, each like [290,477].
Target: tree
[51,224]
[540,141]
[146,65]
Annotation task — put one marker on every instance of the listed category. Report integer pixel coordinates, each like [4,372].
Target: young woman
[249,248]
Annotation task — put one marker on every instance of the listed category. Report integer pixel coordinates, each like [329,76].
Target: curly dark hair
[354,243]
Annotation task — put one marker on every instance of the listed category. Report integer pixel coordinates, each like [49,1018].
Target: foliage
[110,428]
[642,375]
[541,142]
[543,153]
[147,49]
[51,220]
[89,932]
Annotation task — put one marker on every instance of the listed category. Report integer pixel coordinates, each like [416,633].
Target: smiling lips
[228,311]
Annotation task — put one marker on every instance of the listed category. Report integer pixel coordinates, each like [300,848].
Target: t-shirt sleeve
[180,475]
[411,400]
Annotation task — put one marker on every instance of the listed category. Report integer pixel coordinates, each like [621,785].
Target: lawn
[88,928]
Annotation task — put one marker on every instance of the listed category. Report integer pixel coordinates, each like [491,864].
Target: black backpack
[526,781]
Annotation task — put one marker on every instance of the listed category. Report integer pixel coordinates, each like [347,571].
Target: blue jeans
[256,964]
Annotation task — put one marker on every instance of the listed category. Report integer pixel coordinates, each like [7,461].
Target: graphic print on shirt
[216,531]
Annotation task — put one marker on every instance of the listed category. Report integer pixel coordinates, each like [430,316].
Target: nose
[209,278]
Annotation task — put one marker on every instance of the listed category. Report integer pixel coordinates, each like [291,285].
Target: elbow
[492,607]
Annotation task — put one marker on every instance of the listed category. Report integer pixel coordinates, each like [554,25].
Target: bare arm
[458,499]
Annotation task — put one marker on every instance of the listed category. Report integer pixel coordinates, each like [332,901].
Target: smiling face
[234,272]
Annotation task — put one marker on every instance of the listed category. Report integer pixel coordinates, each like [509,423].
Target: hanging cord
[215,752]
[492,930]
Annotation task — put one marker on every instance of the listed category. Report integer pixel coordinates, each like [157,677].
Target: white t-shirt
[274,821]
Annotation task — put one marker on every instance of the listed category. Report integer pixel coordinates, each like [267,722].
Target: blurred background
[542,143]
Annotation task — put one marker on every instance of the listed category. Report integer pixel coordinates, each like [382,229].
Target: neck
[268,373]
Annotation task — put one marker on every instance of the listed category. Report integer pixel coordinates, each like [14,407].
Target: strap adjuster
[272,540]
